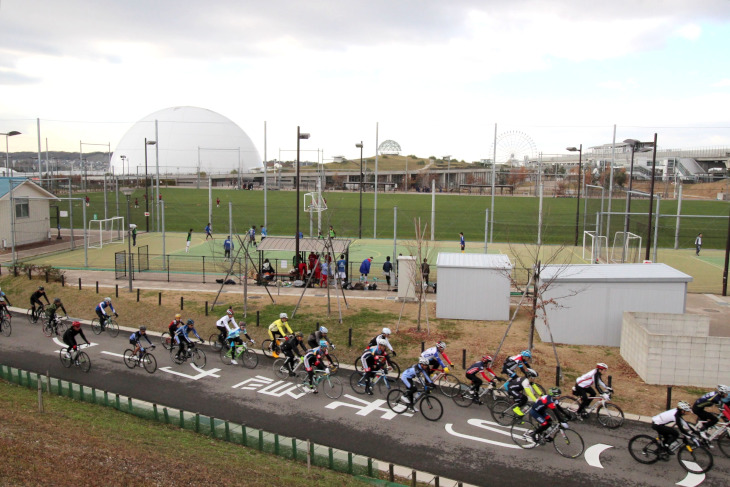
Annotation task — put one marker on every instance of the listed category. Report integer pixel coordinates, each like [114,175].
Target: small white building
[473,286]
[591,299]
[30,217]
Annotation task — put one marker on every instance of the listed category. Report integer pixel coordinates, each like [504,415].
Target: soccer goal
[626,248]
[106,231]
[595,248]
[314,203]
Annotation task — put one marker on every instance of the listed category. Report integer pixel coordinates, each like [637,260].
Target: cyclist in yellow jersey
[280,327]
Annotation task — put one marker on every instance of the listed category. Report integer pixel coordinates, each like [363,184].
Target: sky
[435,76]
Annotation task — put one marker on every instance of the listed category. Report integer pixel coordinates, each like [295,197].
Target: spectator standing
[187,241]
[342,268]
[217,202]
[332,233]
[264,233]
[312,260]
[134,235]
[208,231]
[365,269]
[387,269]
[87,200]
[227,247]
[461,241]
[252,235]
[324,274]
[425,271]
[698,243]
[136,203]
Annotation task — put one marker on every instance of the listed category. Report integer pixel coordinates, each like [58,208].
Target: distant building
[30,216]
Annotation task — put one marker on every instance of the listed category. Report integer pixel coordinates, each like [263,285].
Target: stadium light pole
[146,195]
[359,146]
[636,146]
[580,172]
[651,200]
[128,192]
[300,136]
[123,158]
[7,152]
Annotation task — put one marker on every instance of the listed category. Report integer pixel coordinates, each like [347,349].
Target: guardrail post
[370,467]
[413,478]
[116,290]
[204,270]
[159,299]
[63,280]
[228,431]
[261,440]
[349,462]
[294,448]
[138,295]
[154,410]
[257,318]
[463,358]
[309,455]
[244,438]
[391,473]
[212,426]
[29,274]
[182,419]
[166,415]
[46,277]
[97,287]
[79,284]
[436,481]
[206,308]
[197,422]
[81,393]
[276,444]
[182,303]
[118,402]
[330,458]
[129,405]
[349,337]
[669,397]
[40,395]
[48,381]
[106,396]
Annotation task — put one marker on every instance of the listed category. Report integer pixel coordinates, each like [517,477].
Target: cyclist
[35,298]
[712,398]
[69,337]
[51,312]
[584,387]
[667,434]
[434,355]
[181,337]
[314,359]
[318,336]
[101,311]
[371,363]
[539,412]
[410,376]
[4,305]
[234,338]
[515,362]
[224,325]
[5,298]
[519,394]
[385,335]
[479,367]
[135,339]
[280,328]
[173,326]
[291,347]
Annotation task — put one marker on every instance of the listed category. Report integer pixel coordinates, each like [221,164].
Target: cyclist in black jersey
[69,336]
[290,347]
[35,298]
[135,339]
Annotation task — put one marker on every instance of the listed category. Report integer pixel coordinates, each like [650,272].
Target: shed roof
[613,273]
[472,261]
[17,182]
[340,245]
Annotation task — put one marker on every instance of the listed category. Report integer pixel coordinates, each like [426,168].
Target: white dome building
[188,137]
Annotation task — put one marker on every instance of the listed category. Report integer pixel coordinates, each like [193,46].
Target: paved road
[463,445]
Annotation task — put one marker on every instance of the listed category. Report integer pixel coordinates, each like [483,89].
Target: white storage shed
[591,299]
[473,286]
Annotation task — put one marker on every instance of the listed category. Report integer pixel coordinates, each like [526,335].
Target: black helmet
[41,288]
[142,328]
[56,300]
[191,322]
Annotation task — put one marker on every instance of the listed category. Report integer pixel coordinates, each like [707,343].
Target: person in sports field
[187,240]
[462,243]
[208,231]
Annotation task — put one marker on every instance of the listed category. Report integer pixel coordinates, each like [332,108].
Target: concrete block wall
[674,349]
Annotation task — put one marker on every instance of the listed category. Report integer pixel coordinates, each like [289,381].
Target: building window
[22,208]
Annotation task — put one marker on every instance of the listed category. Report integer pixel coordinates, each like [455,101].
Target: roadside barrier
[305,451]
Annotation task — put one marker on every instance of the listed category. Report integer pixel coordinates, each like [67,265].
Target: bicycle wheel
[610,415]
[570,404]
[303,382]
[280,370]
[697,459]
[65,359]
[199,358]
[95,326]
[225,356]
[32,318]
[112,327]
[167,341]
[149,362]
[129,359]
[5,327]
[249,359]
[335,367]
[215,343]
[83,361]
[179,360]
[449,385]
[357,382]
[385,384]
[397,401]
[645,449]
[48,330]
[265,347]
[723,441]
[568,443]
[393,370]
[521,432]
[61,328]
[358,365]
[502,412]
[332,387]
[463,398]
[431,407]
[494,395]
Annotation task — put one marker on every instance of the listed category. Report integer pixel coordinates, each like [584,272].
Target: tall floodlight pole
[636,146]
[146,194]
[123,158]
[157,170]
[580,171]
[7,152]
[128,192]
[300,136]
[494,176]
[359,146]
[375,194]
[266,220]
[651,200]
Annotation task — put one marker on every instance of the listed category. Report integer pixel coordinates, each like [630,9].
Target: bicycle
[57,327]
[4,313]
[449,385]
[282,371]
[110,326]
[194,353]
[691,455]
[381,378]
[243,354]
[332,386]
[429,405]
[272,351]
[168,342]
[609,415]
[79,358]
[569,443]
[217,342]
[487,395]
[146,359]
[719,433]
[34,315]
[5,327]
[393,367]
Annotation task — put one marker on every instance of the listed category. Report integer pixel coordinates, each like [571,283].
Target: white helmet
[108,300]
[601,366]
[386,331]
[684,406]
[381,341]
[423,361]
[441,345]
[283,316]
[323,329]
[723,389]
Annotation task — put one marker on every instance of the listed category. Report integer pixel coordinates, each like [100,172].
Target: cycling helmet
[323,344]
[178,316]
[191,323]
[41,288]
[229,312]
[56,300]
[322,329]
[684,406]
[423,361]
[142,328]
[283,316]
[486,359]
[298,334]
[722,389]
[386,331]
[440,345]
[554,391]
[76,324]
[601,366]
[107,300]
[526,354]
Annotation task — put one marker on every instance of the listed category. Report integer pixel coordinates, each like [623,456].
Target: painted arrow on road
[593,454]
[692,479]
[480,423]
[61,344]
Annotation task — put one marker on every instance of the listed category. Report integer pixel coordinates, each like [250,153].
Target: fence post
[228,431]
[182,419]
[669,397]
[610,380]
[309,455]
[294,448]
[244,438]
[168,268]
[166,415]
[182,303]
[276,444]
[118,402]
[159,299]
[15,271]
[46,277]
[129,405]
[557,375]
[413,478]
[63,280]
[29,273]
[116,290]
[370,467]
[138,295]
[391,473]
[197,422]
[154,410]
[257,318]
[212,426]
[463,358]
[261,440]
[436,481]
[204,270]
[331,458]
[40,394]
[79,284]
[206,308]
[97,287]
[423,346]
[106,396]
[48,376]
[349,337]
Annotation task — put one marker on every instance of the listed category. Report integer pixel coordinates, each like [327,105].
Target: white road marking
[692,479]
[254,383]
[61,344]
[113,354]
[201,374]
[364,407]
[449,429]
[593,454]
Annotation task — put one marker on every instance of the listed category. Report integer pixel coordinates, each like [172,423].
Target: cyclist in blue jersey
[517,362]
[411,375]
[713,398]
[539,411]
[101,311]
[182,339]
[135,339]
[371,364]
[434,355]
[234,338]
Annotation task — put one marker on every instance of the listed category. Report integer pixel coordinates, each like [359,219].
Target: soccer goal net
[106,231]
[595,248]
[626,248]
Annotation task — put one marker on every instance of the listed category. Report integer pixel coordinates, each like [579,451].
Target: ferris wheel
[514,148]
